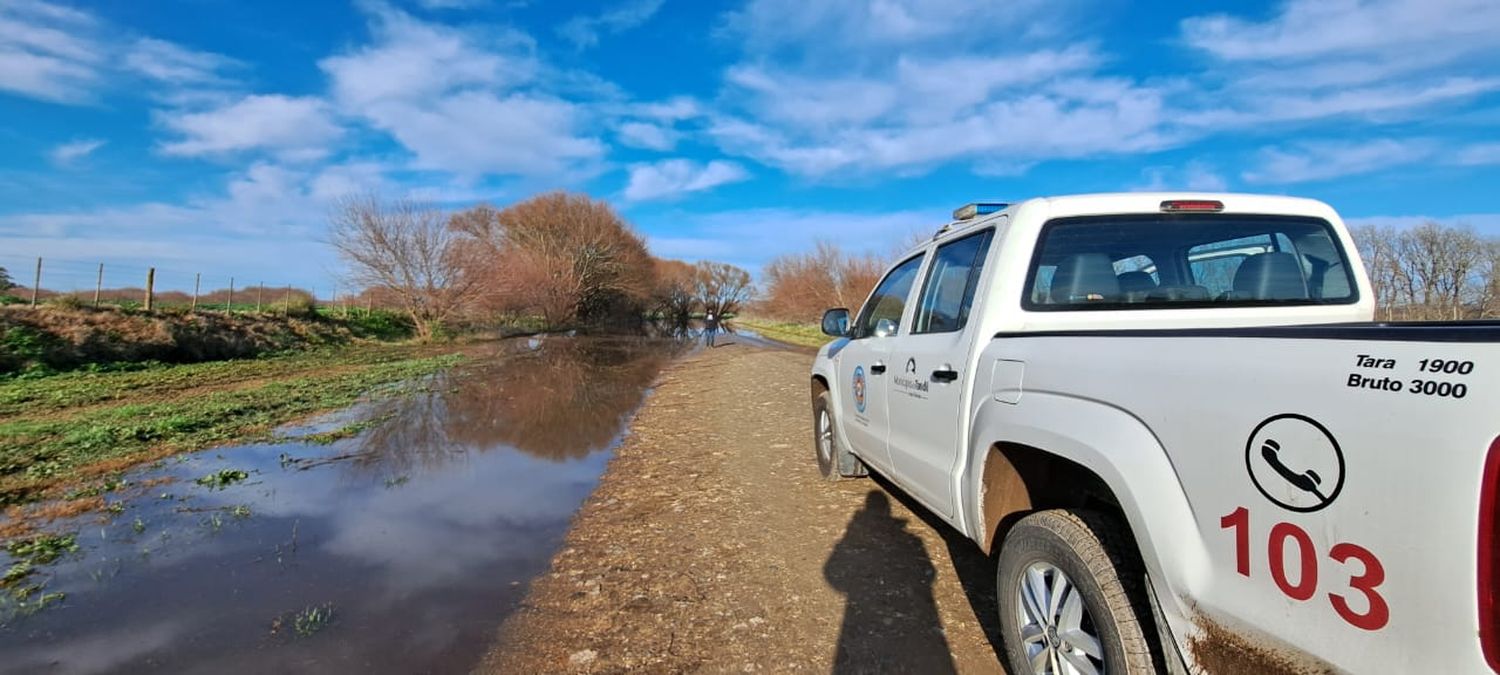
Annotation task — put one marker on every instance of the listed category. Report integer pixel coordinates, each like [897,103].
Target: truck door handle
[877,368]
[945,375]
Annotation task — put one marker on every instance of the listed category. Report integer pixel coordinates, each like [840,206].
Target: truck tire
[834,462]
[1072,597]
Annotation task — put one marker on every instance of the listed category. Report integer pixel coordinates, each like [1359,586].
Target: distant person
[710,327]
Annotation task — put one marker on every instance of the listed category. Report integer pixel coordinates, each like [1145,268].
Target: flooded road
[393,537]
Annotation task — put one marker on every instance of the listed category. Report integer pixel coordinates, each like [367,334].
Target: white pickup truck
[1171,421]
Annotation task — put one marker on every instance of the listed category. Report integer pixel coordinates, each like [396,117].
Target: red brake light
[1489,558]
[1176,205]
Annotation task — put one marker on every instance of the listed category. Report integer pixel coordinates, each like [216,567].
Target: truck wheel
[1071,597]
[833,462]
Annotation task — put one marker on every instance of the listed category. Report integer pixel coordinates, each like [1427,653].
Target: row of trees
[566,258]
[1432,272]
[1426,273]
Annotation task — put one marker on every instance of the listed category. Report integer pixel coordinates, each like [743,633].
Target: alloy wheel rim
[825,436]
[1057,632]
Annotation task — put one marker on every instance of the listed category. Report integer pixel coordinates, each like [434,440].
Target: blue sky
[212,135]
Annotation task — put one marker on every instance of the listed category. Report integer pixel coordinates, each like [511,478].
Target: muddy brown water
[420,533]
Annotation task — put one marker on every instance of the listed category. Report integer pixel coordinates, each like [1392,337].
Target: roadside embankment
[56,338]
[711,544]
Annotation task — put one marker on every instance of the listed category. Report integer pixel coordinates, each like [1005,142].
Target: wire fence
[42,280]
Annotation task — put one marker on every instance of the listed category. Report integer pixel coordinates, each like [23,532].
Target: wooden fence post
[286,305]
[258,291]
[197,278]
[229,306]
[38,282]
[98,284]
[150,286]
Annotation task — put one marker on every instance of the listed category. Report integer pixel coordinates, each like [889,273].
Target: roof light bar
[976,209]
[1201,205]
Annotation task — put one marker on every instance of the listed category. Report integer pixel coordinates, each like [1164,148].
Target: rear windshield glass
[1198,260]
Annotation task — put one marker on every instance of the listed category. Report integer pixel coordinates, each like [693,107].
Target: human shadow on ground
[975,569]
[891,622]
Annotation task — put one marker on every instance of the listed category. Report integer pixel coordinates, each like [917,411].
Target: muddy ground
[712,544]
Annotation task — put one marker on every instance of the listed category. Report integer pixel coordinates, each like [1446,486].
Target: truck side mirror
[836,322]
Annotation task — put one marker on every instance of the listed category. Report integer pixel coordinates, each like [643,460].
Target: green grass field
[62,432]
[803,334]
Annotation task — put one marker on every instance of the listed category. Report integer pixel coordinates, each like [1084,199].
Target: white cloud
[1380,60]
[72,151]
[676,177]
[1039,125]
[262,217]
[411,60]
[292,127]
[173,64]
[674,109]
[1376,103]
[859,87]
[1315,29]
[832,29]
[43,54]
[461,102]
[1479,154]
[451,4]
[1322,161]
[752,237]
[647,136]
[1197,176]
[583,31]
[480,132]
[63,55]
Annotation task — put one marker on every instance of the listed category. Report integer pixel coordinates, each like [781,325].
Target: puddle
[418,535]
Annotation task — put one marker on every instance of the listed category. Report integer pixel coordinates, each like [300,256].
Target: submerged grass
[222,478]
[305,622]
[41,454]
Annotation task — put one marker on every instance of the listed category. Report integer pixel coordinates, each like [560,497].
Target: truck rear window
[1155,261]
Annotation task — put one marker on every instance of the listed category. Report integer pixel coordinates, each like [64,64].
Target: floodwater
[419,535]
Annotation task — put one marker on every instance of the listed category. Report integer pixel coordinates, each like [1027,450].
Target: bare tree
[5,281]
[406,248]
[565,256]
[1431,272]
[1377,247]
[675,290]
[721,287]
[800,286]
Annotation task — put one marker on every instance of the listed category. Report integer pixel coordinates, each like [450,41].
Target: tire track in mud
[711,544]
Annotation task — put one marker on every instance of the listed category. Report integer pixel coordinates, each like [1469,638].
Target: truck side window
[889,299]
[951,280]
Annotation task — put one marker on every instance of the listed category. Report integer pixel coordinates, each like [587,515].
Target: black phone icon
[1307,481]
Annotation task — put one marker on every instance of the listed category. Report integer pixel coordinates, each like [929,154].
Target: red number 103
[1285,535]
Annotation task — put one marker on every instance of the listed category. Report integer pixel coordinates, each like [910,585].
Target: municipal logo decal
[859,388]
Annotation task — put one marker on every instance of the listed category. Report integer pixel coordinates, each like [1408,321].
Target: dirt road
[713,545]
